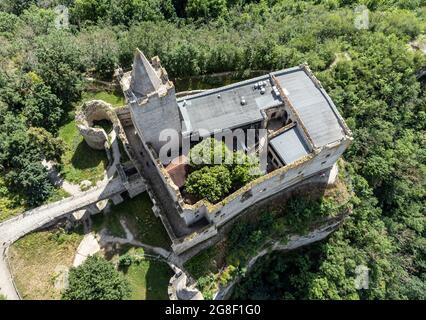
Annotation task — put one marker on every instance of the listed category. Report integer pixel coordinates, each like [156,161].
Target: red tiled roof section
[177,169]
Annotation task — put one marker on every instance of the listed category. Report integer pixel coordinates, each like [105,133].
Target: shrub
[245,168]
[211,183]
[125,260]
[210,152]
[96,279]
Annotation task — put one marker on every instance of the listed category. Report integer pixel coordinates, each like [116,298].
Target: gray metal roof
[314,106]
[221,108]
[289,145]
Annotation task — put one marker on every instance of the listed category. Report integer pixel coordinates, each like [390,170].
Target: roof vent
[218,96]
[262,91]
[276,91]
[243,101]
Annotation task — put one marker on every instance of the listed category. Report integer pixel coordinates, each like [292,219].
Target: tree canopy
[369,73]
[96,279]
[218,170]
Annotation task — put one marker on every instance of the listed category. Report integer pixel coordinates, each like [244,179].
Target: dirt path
[180,285]
[88,247]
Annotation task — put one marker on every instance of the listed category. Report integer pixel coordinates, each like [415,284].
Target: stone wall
[181,245]
[318,164]
[265,186]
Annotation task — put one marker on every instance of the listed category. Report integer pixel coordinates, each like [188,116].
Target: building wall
[192,240]
[275,160]
[257,190]
[279,180]
[157,114]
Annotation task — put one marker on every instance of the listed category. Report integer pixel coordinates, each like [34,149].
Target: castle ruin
[305,136]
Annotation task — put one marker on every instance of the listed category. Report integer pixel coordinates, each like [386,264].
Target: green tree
[41,107]
[118,12]
[206,9]
[59,65]
[8,23]
[38,20]
[210,152]
[89,10]
[96,279]
[16,6]
[50,147]
[244,169]
[99,47]
[31,179]
[211,183]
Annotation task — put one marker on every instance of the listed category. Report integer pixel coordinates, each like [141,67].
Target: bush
[227,275]
[206,9]
[210,152]
[236,169]
[125,260]
[96,279]
[211,183]
[245,168]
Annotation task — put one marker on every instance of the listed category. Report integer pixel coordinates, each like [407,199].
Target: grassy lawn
[35,258]
[148,278]
[110,222]
[116,99]
[140,219]
[80,162]
[58,194]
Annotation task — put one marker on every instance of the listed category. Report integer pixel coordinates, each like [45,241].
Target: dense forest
[369,71]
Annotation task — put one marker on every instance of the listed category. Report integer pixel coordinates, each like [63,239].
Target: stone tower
[151,99]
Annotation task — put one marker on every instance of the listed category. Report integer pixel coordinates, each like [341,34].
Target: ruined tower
[151,99]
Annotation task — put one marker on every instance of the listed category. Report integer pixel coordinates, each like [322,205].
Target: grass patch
[58,194]
[203,263]
[140,219]
[110,222]
[35,257]
[148,278]
[114,98]
[79,161]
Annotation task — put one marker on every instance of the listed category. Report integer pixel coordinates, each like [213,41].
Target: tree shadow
[85,157]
